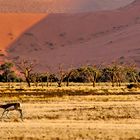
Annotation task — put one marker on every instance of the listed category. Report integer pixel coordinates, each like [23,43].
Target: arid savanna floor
[105,117]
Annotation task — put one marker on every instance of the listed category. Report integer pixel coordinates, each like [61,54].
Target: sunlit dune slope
[84,38]
[13,25]
[60,6]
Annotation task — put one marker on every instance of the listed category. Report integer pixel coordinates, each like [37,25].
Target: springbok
[10,107]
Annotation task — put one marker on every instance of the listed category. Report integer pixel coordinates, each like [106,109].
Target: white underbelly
[10,108]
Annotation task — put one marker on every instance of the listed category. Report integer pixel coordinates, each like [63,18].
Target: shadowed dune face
[60,6]
[84,38]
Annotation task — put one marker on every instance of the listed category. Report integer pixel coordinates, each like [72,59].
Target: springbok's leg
[6,114]
[3,113]
[21,115]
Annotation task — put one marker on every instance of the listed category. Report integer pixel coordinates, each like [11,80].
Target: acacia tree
[26,67]
[6,70]
[132,73]
[68,75]
[115,73]
[82,74]
[60,75]
[48,75]
[45,77]
[120,74]
[93,72]
[7,74]
[35,78]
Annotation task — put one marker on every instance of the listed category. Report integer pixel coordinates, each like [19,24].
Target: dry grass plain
[73,117]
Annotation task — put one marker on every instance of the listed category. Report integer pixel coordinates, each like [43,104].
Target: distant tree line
[115,73]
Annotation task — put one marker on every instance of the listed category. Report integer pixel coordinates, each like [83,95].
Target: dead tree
[26,67]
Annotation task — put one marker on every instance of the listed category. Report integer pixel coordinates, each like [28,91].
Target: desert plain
[96,116]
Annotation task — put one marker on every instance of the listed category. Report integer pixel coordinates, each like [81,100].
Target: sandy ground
[74,120]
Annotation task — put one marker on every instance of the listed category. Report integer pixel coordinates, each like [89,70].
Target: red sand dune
[82,38]
[13,25]
[62,6]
